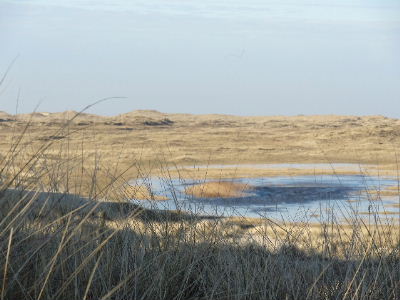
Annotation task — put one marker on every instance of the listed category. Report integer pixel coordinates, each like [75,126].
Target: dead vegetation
[57,246]
[218,189]
[211,139]
[68,232]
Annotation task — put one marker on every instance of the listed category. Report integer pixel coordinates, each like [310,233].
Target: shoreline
[228,171]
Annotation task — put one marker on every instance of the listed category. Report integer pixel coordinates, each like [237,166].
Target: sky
[241,57]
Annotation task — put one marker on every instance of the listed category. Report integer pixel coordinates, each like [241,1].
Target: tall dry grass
[55,244]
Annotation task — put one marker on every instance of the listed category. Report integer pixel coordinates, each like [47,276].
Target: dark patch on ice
[285,194]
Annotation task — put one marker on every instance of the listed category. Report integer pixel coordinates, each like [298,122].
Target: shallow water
[289,198]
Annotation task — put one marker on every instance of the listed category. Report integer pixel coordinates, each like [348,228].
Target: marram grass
[55,244]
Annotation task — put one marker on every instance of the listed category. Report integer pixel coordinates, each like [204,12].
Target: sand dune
[151,137]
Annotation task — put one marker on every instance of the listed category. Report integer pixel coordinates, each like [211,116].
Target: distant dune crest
[4,115]
[154,117]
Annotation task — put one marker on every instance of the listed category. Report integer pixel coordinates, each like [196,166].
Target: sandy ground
[201,139]
[144,143]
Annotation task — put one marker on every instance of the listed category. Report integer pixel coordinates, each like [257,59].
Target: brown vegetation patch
[162,122]
[218,189]
[52,137]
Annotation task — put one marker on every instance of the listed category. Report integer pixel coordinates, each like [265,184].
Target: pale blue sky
[245,57]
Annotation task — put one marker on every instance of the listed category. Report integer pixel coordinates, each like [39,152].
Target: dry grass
[141,192]
[55,244]
[242,171]
[210,139]
[100,254]
[218,189]
[379,213]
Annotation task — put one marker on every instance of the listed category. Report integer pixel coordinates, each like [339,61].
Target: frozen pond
[289,198]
